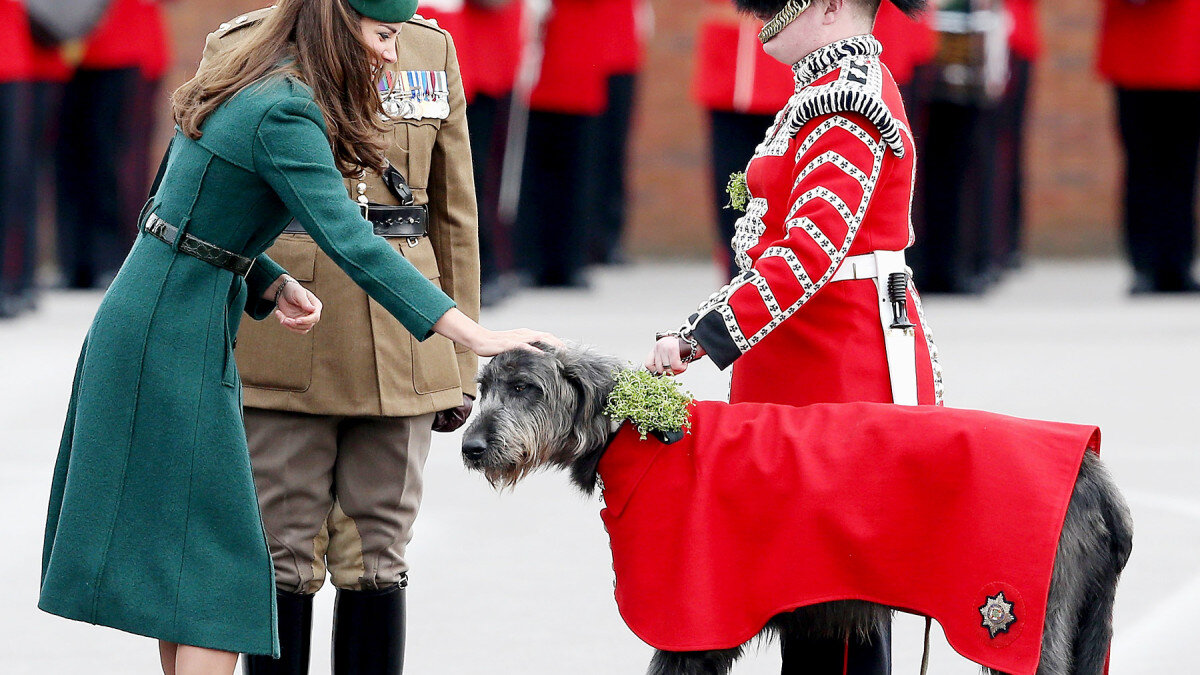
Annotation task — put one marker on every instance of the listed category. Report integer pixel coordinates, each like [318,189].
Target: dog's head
[538,409]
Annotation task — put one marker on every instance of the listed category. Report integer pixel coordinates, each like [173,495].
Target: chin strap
[780,21]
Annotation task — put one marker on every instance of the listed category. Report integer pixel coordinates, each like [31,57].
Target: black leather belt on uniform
[198,248]
[388,221]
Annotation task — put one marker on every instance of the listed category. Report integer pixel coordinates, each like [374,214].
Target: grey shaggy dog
[540,410]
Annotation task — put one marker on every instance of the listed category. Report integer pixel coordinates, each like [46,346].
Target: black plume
[910,7]
[760,7]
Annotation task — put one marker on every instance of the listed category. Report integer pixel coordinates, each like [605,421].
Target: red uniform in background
[907,42]
[490,51]
[575,65]
[16,44]
[832,180]
[555,231]
[1166,31]
[740,88]
[1151,53]
[16,148]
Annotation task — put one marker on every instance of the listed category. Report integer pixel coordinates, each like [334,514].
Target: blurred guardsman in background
[490,52]
[551,232]
[95,199]
[1150,51]
[17,218]
[624,24]
[1024,48]
[741,89]
[339,436]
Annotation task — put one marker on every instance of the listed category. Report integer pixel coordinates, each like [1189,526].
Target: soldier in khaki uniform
[339,428]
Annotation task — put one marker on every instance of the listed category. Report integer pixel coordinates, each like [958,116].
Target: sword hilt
[898,295]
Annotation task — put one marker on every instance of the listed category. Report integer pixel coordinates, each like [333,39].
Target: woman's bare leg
[191,660]
[166,656]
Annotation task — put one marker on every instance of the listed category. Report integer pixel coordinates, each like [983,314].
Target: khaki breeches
[337,493]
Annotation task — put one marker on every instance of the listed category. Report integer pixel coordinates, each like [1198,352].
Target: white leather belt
[899,343]
[857,267]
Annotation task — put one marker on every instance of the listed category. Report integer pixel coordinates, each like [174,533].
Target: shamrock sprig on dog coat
[654,404]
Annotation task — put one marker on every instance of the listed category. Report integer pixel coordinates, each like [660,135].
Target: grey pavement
[521,582]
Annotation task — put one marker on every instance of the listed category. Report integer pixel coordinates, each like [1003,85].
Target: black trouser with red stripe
[838,657]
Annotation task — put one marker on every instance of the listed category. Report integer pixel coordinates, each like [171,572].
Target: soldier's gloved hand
[449,420]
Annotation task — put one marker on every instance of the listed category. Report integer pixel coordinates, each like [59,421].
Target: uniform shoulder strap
[858,89]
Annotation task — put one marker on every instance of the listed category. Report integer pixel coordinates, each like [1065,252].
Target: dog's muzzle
[474,447]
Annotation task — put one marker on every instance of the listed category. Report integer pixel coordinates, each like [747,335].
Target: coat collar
[822,61]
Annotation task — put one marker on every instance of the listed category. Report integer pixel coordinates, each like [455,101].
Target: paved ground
[521,582]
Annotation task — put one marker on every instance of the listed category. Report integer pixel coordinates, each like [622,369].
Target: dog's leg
[715,662]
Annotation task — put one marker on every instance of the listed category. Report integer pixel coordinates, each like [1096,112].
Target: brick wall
[1072,160]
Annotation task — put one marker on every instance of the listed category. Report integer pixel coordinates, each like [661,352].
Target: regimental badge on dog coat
[954,514]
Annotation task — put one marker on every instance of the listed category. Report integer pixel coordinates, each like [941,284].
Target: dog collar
[780,21]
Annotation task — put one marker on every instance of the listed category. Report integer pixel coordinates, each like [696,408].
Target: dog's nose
[473,447]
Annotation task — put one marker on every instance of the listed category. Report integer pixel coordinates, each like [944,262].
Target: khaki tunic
[359,361]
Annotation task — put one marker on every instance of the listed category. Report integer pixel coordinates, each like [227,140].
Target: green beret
[387,11]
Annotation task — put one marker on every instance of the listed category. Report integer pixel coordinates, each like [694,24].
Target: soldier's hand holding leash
[672,354]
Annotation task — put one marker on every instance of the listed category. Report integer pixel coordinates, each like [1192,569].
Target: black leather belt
[388,221]
[198,248]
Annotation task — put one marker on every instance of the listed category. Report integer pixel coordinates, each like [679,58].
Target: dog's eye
[520,386]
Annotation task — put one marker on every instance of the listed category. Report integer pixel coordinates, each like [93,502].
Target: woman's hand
[493,342]
[297,309]
[667,356]
[463,330]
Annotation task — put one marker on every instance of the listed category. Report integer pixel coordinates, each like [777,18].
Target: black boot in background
[368,632]
[295,638]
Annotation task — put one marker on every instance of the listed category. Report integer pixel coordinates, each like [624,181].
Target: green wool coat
[153,525]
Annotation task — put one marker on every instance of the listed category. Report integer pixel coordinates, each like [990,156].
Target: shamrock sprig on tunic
[652,403]
[739,194]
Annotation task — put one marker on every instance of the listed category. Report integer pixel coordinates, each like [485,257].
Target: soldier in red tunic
[1150,51]
[823,309]
[16,218]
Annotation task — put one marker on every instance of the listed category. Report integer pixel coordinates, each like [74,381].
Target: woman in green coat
[153,525]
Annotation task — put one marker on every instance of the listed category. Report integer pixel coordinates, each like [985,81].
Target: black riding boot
[368,632]
[295,638]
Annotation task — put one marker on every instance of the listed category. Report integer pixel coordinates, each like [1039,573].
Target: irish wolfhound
[547,410]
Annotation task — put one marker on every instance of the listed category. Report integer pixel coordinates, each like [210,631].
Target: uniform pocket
[268,355]
[418,136]
[435,366]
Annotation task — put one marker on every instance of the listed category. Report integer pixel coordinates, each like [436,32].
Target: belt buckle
[413,241]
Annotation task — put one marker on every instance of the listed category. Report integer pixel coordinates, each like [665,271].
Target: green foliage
[652,403]
[739,194]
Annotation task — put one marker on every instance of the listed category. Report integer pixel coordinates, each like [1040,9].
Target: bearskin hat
[773,7]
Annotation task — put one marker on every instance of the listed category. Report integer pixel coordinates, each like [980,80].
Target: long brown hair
[320,43]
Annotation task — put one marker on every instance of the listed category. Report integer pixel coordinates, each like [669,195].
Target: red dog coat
[762,508]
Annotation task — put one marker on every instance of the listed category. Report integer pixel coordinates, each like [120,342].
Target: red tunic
[156,57]
[16,44]
[1025,38]
[575,68]
[832,179]
[907,43]
[1155,45]
[620,23]
[120,40]
[489,52]
[49,65]
[732,73]
[765,508]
